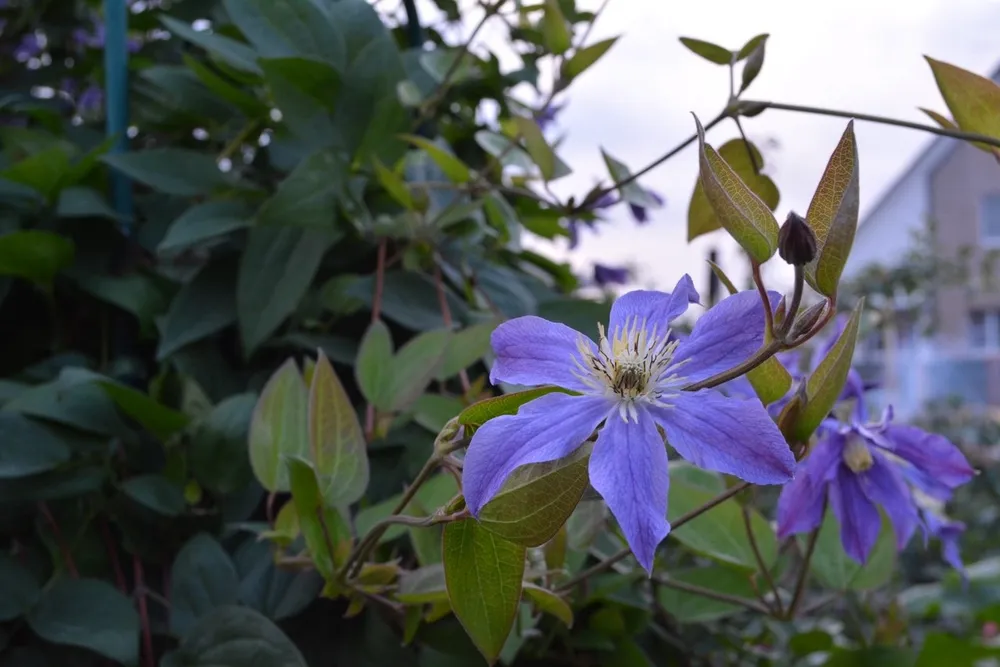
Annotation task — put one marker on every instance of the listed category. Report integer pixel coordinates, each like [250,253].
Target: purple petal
[859,519]
[629,469]
[803,500]
[610,275]
[932,454]
[573,227]
[724,337]
[533,351]
[639,213]
[949,533]
[546,429]
[657,309]
[729,435]
[883,485]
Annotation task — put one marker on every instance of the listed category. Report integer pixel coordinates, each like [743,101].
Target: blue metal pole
[116,101]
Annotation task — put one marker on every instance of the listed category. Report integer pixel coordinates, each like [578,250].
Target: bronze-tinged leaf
[833,215]
[974,101]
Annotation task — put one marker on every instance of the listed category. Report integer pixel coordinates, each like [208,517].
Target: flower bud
[796,242]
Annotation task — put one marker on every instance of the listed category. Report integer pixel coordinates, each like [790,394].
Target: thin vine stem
[800,584]
[714,595]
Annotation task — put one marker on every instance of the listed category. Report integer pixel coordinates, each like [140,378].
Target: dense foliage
[235,394]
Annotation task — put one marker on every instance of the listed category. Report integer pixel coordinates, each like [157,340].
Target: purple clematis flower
[610,275]
[641,213]
[607,200]
[631,380]
[857,466]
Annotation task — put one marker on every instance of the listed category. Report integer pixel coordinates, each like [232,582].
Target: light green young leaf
[833,215]
[549,602]
[453,168]
[826,382]
[742,213]
[770,381]
[538,148]
[394,185]
[374,367]
[537,499]
[278,427]
[555,30]
[711,52]
[479,413]
[324,528]
[336,442]
[477,561]
[415,365]
[585,58]
[34,255]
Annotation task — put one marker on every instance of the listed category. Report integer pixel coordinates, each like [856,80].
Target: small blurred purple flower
[856,466]
[29,47]
[605,275]
[606,200]
[641,213]
[630,380]
[547,115]
[90,100]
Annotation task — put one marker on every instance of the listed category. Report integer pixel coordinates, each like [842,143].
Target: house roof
[936,150]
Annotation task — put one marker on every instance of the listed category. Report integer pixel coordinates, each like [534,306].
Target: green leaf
[44,172]
[204,222]
[218,451]
[440,63]
[453,168]
[276,269]
[433,411]
[833,215]
[755,60]
[306,91]
[742,213]
[632,192]
[308,197]
[28,448]
[135,293]
[291,28]
[711,52]
[941,120]
[465,348]
[230,636]
[202,307]
[90,614]
[770,381]
[701,216]
[279,426]
[19,589]
[813,641]
[538,148]
[409,298]
[555,31]
[872,656]
[549,602]
[719,533]
[690,608]
[834,569]
[945,649]
[173,171]
[394,185]
[202,578]
[336,441]
[373,369]
[229,51]
[34,255]
[824,385]
[537,499]
[479,413]
[157,493]
[477,562]
[424,585]
[244,101]
[82,202]
[583,59]
[974,101]
[415,365]
[326,534]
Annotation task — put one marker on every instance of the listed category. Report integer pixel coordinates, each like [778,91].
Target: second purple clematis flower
[631,380]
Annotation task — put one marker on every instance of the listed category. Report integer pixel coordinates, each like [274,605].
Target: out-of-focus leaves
[34,255]
[585,58]
[711,52]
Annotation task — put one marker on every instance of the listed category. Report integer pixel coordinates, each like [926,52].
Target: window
[989,218]
[984,328]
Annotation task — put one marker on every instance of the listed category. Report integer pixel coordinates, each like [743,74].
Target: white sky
[856,55]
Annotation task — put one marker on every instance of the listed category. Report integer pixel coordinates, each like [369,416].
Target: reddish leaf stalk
[376,313]
[446,316]
[147,632]
[60,542]
[116,563]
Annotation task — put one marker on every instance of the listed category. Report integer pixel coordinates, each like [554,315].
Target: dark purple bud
[641,213]
[573,227]
[796,242]
[610,275]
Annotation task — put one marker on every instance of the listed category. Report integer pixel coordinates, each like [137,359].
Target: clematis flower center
[633,365]
[857,456]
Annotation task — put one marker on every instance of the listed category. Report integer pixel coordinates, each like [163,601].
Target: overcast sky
[856,55]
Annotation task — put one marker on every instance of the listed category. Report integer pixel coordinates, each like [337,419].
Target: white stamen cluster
[634,365]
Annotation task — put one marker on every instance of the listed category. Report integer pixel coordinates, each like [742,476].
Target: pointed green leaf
[549,602]
[289,28]
[453,168]
[974,101]
[770,381]
[424,585]
[943,121]
[324,528]
[34,255]
[723,278]
[205,222]
[537,499]
[336,441]
[483,575]
[173,171]
[29,447]
[836,570]
[394,185]
[538,148]
[230,636]
[585,58]
[309,195]
[479,413]
[755,60]
[833,215]
[465,348]
[742,213]
[415,365]
[701,216]
[711,52]
[374,368]
[555,31]
[157,493]
[279,426]
[827,381]
[203,578]
[751,45]
[229,51]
